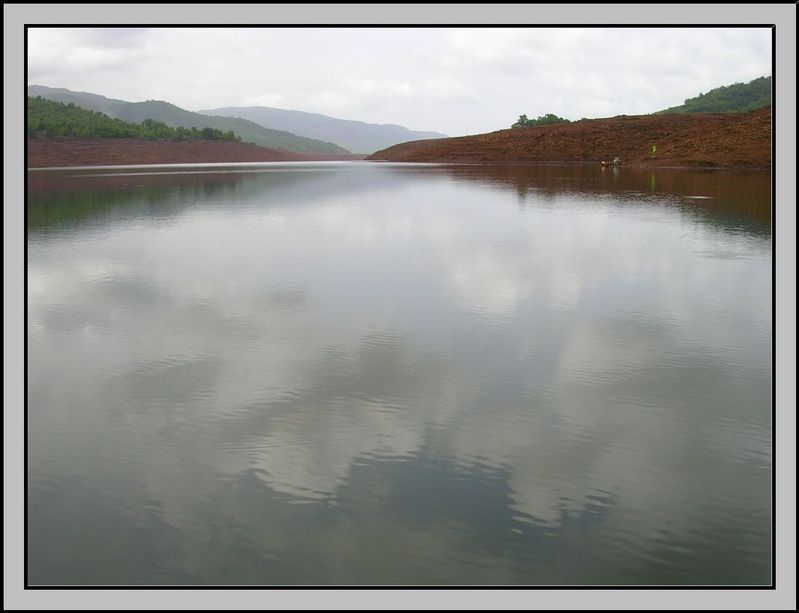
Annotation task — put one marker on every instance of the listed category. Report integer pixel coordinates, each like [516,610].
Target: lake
[397,374]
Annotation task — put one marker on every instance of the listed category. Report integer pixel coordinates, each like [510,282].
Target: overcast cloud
[456,81]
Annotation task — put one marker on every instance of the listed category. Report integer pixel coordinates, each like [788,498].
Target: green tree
[543,120]
[523,122]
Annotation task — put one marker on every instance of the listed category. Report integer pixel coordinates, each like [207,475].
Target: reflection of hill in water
[738,201]
[734,200]
[64,199]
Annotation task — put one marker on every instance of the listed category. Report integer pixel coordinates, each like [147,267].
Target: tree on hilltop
[543,120]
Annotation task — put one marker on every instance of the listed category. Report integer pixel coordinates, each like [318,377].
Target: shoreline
[597,163]
[363,158]
[76,153]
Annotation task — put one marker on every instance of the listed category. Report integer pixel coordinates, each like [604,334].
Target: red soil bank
[47,152]
[706,139]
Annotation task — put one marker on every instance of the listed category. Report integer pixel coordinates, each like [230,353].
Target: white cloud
[448,90]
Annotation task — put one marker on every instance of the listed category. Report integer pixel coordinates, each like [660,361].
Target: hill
[712,139]
[355,136]
[175,116]
[739,97]
[55,119]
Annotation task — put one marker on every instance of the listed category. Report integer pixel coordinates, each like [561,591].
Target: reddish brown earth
[44,152]
[707,139]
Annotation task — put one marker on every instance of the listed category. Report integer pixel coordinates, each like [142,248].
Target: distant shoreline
[66,152]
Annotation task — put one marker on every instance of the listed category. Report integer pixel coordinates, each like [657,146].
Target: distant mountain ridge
[355,136]
[738,97]
[175,116]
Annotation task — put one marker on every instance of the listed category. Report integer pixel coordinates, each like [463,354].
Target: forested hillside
[741,97]
[50,119]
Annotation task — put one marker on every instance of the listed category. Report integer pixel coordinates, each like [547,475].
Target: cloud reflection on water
[559,348]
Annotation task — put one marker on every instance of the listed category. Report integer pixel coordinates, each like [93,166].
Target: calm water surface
[399,374]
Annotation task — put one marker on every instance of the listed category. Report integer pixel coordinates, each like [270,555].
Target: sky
[452,80]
